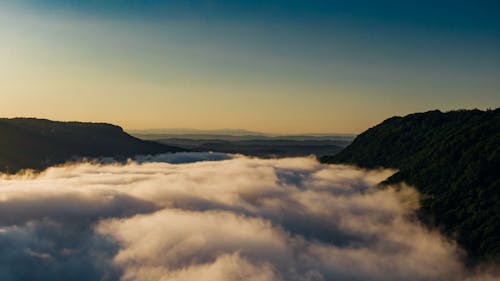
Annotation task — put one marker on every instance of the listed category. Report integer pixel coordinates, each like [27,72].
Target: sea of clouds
[183,217]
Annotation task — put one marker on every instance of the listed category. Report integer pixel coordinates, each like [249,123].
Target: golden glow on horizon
[143,77]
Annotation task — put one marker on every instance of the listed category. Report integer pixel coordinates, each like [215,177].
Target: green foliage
[38,143]
[453,158]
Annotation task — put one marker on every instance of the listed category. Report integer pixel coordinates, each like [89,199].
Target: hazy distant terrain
[231,134]
[28,143]
[453,159]
[249,143]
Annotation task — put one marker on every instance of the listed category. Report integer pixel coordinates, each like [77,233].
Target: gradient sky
[280,66]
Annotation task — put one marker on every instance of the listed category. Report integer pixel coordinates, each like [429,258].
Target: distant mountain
[453,159]
[266,147]
[39,143]
[233,135]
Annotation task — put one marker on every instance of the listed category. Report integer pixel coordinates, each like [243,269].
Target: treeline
[453,159]
[28,143]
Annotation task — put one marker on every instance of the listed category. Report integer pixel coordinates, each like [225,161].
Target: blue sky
[276,66]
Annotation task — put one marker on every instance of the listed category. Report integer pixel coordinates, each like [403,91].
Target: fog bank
[237,218]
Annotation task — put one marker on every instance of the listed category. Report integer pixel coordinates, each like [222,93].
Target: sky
[274,66]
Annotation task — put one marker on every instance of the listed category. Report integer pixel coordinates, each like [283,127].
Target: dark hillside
[39,143]
[453,158]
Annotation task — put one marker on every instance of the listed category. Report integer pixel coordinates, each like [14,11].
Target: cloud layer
[234,219]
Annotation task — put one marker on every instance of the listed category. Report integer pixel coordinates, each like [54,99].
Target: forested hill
[453,158]
[38,143]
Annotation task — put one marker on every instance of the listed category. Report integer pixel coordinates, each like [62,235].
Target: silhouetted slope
[453,159]
[39,143]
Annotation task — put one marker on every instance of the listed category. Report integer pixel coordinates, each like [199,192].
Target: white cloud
[235,219]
